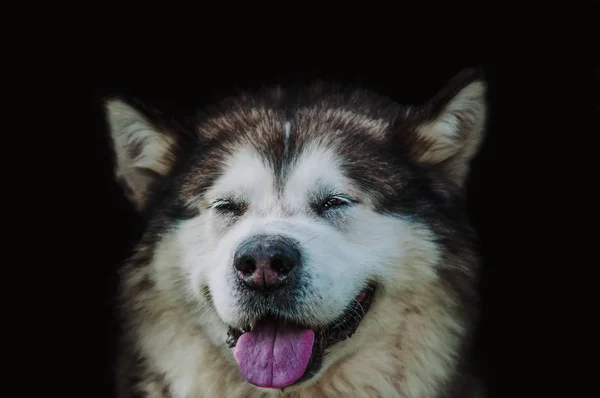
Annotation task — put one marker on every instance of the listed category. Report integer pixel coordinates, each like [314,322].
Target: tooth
[231,341]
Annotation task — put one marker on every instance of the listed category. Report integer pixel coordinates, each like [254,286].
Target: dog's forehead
[255,175]
[317,109]
[246,172]
[263,151]
[317,167]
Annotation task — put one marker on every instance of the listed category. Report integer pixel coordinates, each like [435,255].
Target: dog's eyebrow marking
[287,129]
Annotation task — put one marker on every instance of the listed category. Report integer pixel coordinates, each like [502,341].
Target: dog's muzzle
[275,347]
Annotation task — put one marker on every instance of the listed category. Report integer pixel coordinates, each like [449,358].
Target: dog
[300,242]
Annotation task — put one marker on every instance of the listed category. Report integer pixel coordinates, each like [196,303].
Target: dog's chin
[274,352]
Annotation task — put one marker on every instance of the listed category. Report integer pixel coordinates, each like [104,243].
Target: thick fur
[277,152]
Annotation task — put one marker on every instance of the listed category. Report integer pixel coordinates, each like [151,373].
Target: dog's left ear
[446,133]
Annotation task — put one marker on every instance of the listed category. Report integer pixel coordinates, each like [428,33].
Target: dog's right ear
[144,153]
[447,132]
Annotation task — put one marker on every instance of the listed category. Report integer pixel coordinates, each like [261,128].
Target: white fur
[287,126]
[360,252]
[388,249]
[388,356]
[245,175]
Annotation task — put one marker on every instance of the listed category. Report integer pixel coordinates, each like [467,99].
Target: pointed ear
[143,153]
[447,132]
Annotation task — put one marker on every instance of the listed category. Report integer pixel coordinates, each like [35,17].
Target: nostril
[265,262]
[281,266]
[246,265]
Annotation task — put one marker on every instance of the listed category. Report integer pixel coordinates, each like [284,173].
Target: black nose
[265,262]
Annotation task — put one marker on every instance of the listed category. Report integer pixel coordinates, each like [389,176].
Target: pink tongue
[274,355]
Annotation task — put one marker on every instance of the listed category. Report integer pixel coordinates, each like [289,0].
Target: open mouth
[277,353]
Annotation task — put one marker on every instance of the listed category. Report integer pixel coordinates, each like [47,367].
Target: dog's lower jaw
[367,372]
[411,357]
[414,358]
[384,374]
[154,387]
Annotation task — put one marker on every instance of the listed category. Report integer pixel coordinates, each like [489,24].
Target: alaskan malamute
[300,243]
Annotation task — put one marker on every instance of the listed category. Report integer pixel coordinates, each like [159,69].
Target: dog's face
[285,217]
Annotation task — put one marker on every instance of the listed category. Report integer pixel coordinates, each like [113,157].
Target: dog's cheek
[391,249]
[407,254]
[192,240]
[196,246]
[223,295]
[334,276]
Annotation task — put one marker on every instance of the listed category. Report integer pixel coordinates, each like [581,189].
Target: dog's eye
[228,207]
[333,202]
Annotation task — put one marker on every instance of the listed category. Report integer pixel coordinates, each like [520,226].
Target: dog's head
[295,217]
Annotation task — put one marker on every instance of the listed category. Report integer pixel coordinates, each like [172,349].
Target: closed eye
[228,207]
[333,202]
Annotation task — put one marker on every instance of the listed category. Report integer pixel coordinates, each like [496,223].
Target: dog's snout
[265,262]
